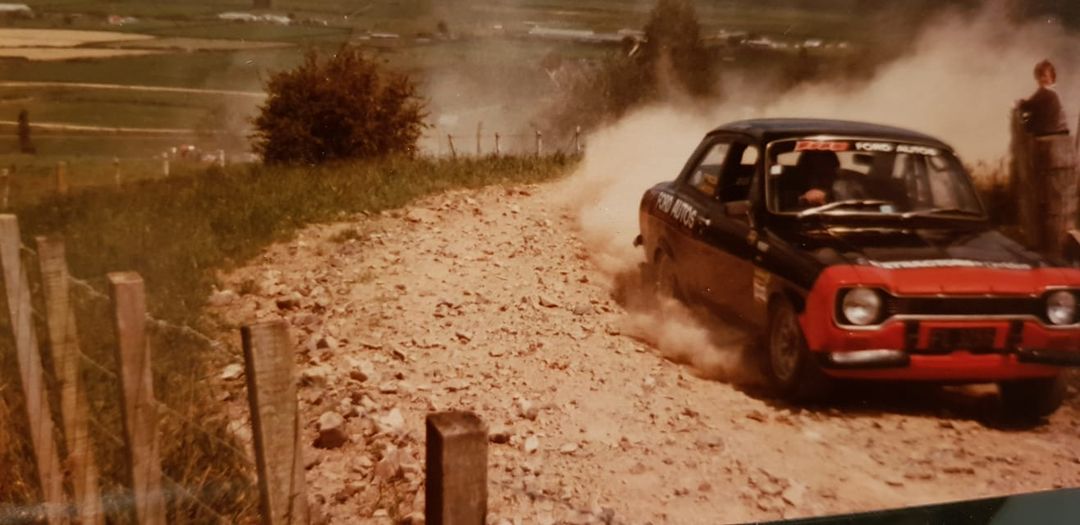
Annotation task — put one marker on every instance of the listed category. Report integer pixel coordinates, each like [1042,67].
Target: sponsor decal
[821,145]
[949,263]
[886,147]
[916,150]
[683,213]
[889,147]
[761,285]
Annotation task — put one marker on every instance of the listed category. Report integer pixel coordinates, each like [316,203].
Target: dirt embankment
[489,301]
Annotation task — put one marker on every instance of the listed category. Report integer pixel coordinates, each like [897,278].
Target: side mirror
[738,210]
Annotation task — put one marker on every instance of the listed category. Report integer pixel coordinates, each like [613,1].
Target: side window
[706,176]
[737,177]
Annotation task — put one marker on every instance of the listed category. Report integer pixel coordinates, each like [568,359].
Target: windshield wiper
[841,204]
[938,211]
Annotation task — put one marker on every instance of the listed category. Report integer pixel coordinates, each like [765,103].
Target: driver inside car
[817,171]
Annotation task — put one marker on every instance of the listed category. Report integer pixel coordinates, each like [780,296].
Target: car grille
[975,306]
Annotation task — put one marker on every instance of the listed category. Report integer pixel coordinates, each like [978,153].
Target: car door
[729,239]
[689,211]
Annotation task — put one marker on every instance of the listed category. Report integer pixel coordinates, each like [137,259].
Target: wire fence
[207,471]
[535,142]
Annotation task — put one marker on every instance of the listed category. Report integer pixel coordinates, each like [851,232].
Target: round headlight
[1061,307]
[861,306]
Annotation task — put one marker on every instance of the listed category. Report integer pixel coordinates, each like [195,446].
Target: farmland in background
[474,60]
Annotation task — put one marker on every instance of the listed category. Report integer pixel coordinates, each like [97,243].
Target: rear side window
[706,175]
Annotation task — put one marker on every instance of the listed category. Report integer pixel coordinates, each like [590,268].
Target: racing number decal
[821,145]
[677,209]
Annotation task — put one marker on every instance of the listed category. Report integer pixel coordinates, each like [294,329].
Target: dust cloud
[958,82]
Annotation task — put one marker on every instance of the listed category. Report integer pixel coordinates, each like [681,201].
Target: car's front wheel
[789,365]
[1030,399]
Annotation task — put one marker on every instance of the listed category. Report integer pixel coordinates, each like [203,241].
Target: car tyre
[1032,399]
[788,363]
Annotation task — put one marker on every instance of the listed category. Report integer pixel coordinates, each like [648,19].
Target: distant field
[60,37]
[477,75]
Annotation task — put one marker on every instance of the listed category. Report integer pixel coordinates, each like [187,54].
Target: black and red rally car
[861,251]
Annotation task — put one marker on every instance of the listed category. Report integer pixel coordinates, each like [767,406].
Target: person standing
[1044,115]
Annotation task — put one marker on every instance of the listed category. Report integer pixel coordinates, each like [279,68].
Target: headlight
[1061,307]
[861,306]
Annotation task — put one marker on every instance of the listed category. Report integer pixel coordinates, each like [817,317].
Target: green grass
[179,233]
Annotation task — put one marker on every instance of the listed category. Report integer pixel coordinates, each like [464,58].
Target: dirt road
[489,301]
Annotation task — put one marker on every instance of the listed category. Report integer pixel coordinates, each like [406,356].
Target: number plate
[962,338]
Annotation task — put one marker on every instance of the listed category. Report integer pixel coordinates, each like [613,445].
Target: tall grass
[178,233]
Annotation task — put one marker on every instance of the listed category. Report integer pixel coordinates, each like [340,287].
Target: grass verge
[178,233]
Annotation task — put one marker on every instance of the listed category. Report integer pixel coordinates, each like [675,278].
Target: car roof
[768,129]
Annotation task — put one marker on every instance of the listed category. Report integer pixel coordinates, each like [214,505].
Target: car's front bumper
[909,346]
[958,366]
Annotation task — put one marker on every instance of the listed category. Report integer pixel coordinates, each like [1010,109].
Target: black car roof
[767,129]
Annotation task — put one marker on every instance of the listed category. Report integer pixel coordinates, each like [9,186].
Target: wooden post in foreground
[275,419]
[39,414]
[450,140]
[498,150]
[456,484]
[539,143]
[64,342]
[137,396]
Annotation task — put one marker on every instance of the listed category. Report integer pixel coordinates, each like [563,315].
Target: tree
[25,145]
[673,47]
[337,107]
[671,60]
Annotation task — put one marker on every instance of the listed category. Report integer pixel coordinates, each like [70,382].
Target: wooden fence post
[61,178]
[64,342]
[39,413]
[450,140]
[539,143]
[5,174]
[479,131]
[498,150]
[137,396]
[456,483]
[275,420]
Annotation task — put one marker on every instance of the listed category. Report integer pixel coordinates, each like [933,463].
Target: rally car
[860,251]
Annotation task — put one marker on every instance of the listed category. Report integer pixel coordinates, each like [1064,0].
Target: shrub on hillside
[341,106]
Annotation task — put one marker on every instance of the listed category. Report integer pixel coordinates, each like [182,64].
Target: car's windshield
[826,176]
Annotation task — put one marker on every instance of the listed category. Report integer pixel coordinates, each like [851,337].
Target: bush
[338,107]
